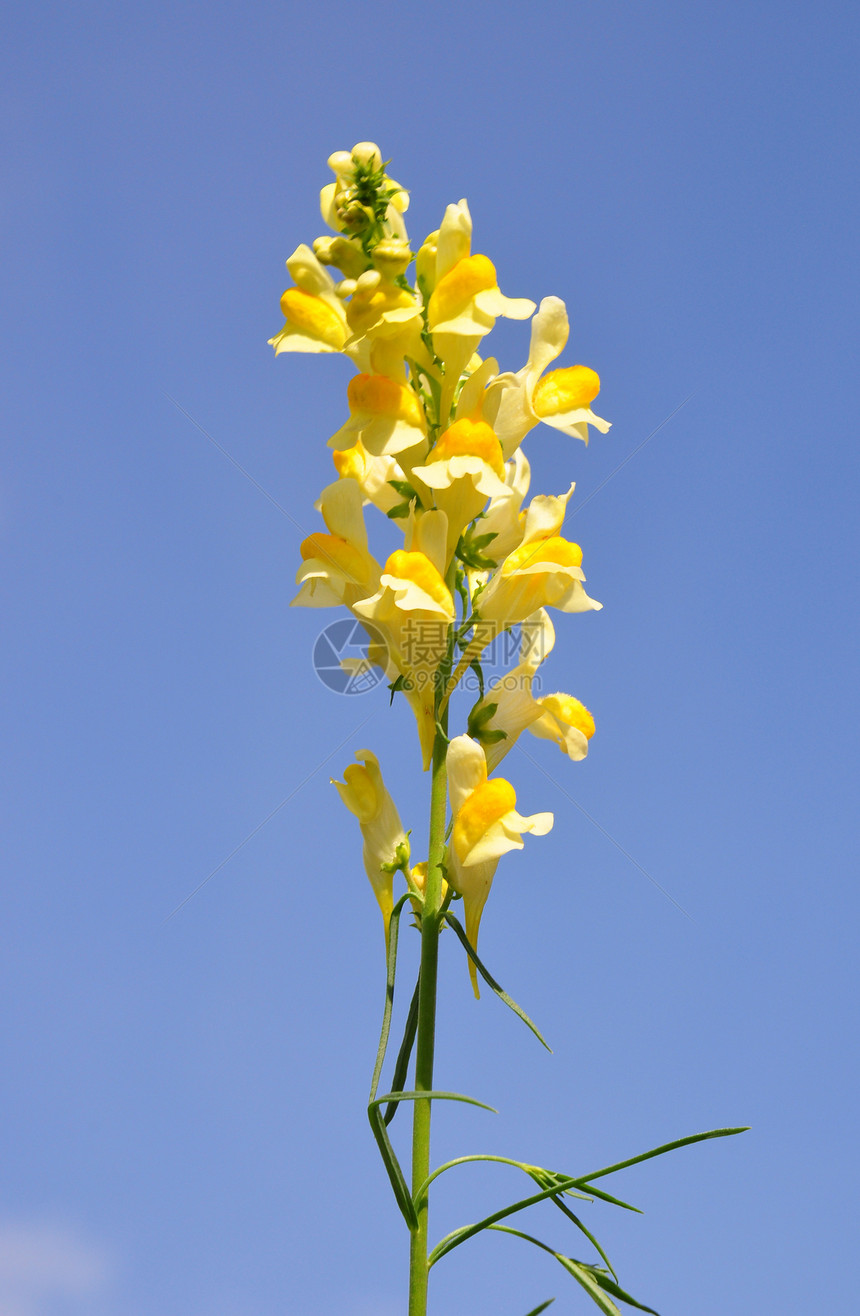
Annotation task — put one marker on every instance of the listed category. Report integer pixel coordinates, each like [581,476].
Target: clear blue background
[182,1103]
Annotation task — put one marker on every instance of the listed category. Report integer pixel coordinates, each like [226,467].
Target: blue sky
[183,1101]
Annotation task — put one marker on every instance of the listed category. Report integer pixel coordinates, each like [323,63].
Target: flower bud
[345,289]
[368,282]
[399,199]
[425,263]
[352,214]
[418,879]
[391,257]
[340,162]
[367,153]
[344,253]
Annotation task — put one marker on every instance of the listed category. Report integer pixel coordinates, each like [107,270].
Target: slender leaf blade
[491,982]
[584,1276]
[465,1232]
[390,974]
[536,1311]
[392,1166]
[659,1151]
[383,1142]
[588,1276]
[586,1231]
[518,1233]
[616,1290]
[429,1096]
[401,1065]
[607,1197]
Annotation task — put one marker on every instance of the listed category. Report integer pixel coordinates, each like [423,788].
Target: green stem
[431,922]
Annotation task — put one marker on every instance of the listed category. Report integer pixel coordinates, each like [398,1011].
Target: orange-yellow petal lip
[470,438]
[312,316]
[351,463]
[553,551]
[455,290]
[571,712]
[488,802]
[567,389]
[377,395]
[421,571]
[336,551]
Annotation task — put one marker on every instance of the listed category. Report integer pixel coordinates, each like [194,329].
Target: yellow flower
[465,300]
[385,325]
[315,320]
[486,826]
[504,518]
[384,414]
[545,570]
[561,398]
[413,610]
[380,307]
[464,468]
[337,567]
[566,721]
[510,706]
[373,474]
[466,297]
[364,793]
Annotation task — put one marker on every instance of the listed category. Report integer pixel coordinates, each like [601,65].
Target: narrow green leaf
[587,1232]
[392,1166]
[584,1276]
[617,1292]
[588,1276]
[389,1159]
[402,1063]
[390,973]
[658,1151]
[614,1201]
[465,1232]
[518,1233]
[491,982]
[429,1096]
[536,1311]
[380,1133]
[499,1160]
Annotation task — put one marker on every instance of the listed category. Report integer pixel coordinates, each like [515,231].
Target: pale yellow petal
[467,768]
[455,238]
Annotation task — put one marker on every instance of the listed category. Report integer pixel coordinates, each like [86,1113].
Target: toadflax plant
[433,442]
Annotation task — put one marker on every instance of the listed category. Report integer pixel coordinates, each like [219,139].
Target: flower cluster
[433,441]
